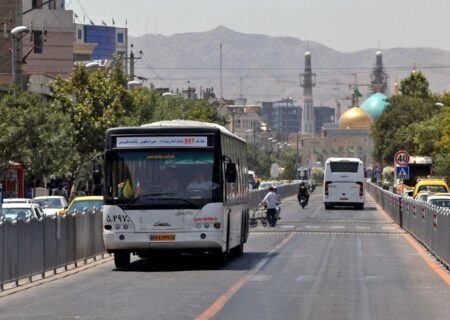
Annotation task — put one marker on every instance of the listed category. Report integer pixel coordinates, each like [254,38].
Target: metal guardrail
[428,224]
[30,248]
[287,190]
[35,247]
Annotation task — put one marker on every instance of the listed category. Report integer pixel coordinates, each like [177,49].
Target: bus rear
[344,183]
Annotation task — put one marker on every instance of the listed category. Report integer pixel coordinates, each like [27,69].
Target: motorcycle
[303,202]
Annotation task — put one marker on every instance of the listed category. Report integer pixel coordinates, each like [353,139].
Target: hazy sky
[344,25]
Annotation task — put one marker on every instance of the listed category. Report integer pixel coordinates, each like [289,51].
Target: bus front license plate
[162,237]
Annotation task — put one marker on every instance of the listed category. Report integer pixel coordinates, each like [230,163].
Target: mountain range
[268,68]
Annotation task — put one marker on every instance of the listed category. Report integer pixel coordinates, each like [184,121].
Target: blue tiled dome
[374,105]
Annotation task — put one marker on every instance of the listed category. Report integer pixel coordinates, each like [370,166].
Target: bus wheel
[238,251]
[219,259]
[121,260]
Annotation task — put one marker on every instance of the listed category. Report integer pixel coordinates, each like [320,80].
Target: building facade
[283,117]
[8,21]
[93,42]
[50,39]
[323,115]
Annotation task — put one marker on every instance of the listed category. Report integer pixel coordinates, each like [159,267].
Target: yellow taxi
[83,204]
[431,185]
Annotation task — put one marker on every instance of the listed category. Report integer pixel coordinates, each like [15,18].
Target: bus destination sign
[159,141]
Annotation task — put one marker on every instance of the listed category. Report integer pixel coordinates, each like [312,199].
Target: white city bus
[343,183]
[152,202]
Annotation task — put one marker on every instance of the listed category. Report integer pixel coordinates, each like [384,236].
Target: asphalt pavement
[315,264]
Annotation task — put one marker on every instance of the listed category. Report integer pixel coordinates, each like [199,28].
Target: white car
[422,196]
[51,204]
[17,200]
[439,200]
[265,185]
[21,211]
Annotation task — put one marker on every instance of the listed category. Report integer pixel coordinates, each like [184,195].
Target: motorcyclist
[303,192]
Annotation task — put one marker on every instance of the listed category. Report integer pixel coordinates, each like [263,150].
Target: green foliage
[258,161]
[34,134]
[394,129]
[288,162]
[94,102]
[171,107]
[317,174]
[415,85]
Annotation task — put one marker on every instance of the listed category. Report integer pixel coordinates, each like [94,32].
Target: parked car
[422,196]
[21,211]
[407,193]
[439,200]
[17,200]
[265,185]
[51,205]
[83,204]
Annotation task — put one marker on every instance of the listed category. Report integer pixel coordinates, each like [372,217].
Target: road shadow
[192,262]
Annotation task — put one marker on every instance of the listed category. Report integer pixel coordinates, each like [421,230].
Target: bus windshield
[177,178]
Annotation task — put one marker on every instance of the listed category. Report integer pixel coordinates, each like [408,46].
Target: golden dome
[355,118]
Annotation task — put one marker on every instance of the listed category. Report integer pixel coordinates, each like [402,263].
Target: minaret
[308,81]
[379,77]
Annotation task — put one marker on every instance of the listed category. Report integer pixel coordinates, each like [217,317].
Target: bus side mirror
[230,173]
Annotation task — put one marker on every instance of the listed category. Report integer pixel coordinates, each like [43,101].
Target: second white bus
[343,183]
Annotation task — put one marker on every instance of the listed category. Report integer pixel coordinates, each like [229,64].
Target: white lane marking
[260,277]
[362,228]
[305,278]
[388,228]
[317,211]
[287,227]
[312,227]
[337,227]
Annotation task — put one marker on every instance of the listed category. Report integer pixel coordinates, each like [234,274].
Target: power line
[301,68]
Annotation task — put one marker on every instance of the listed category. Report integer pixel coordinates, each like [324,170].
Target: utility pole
[133,62]
[17,48]
[221,75]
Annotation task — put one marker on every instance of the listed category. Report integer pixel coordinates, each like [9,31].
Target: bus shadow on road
[191,262]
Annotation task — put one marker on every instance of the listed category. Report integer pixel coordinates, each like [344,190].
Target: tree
[258,161]
[94,101]
[31,123]
[288,162]
[390,131]
[415,85]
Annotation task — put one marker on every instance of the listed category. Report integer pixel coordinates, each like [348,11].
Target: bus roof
[178,123]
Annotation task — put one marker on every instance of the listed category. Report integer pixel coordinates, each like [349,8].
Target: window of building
[38,42]
[120,37]
[36,4]
[52,5]
[80,34]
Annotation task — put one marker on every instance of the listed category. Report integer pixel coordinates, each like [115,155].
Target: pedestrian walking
[270,200]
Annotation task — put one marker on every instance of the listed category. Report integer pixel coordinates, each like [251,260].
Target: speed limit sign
[401,158]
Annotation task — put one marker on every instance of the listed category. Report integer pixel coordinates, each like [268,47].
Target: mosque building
[350,137]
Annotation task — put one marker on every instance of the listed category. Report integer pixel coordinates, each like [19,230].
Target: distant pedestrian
[256,185]
[60,191]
